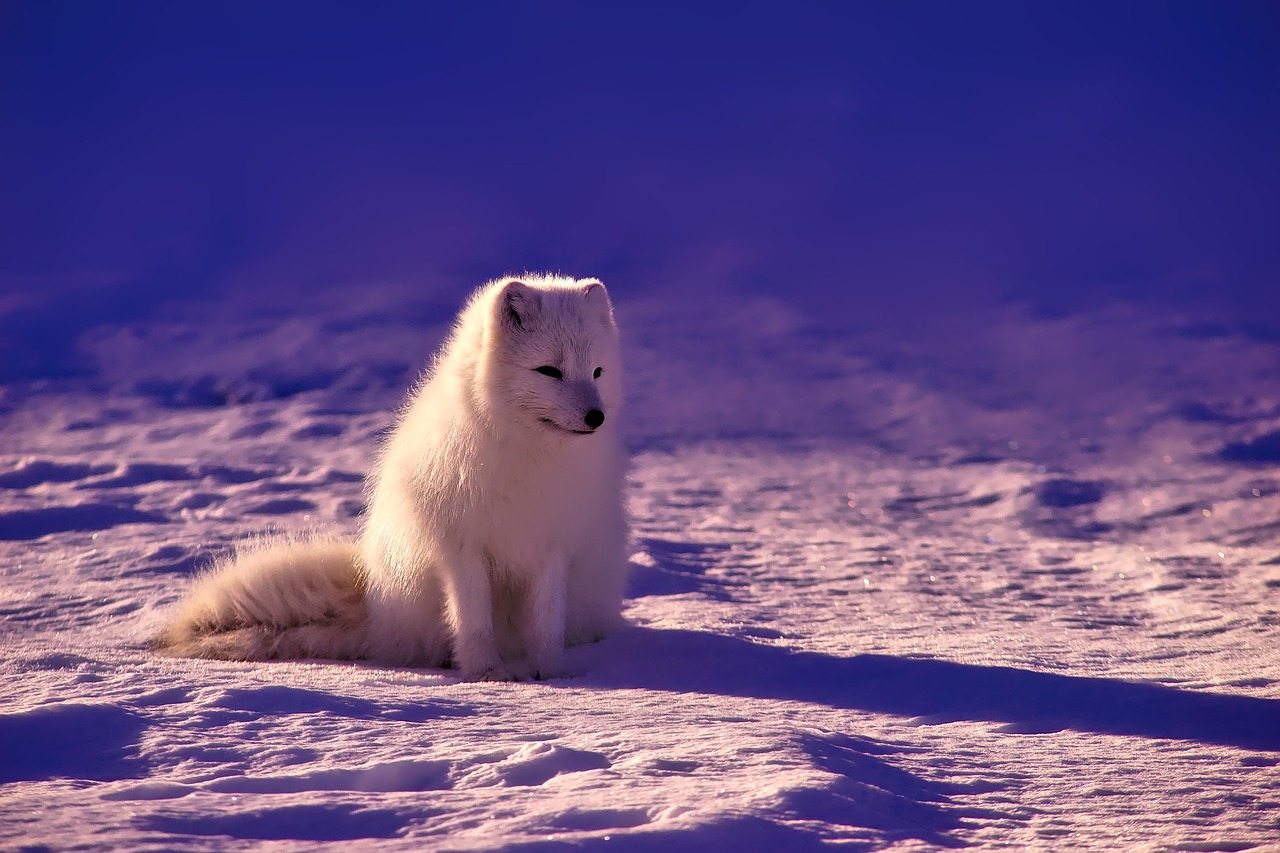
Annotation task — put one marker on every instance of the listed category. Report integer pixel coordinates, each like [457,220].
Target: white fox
[496,531]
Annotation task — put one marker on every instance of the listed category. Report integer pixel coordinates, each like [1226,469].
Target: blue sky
[885,155]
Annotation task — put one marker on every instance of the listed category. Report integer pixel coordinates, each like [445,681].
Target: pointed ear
[518,305]
[593,290]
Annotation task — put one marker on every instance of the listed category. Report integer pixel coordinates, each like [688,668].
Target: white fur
[495,533]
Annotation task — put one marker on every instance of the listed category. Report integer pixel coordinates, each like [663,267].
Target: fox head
[553,359]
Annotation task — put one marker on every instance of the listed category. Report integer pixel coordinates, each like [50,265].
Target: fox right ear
[518,305]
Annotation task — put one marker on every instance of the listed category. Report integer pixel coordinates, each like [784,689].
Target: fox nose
[594,418]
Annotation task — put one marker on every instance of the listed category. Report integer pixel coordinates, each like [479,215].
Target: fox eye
[596,373]
[548,370]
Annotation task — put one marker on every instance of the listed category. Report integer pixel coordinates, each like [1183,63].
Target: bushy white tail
[280,599]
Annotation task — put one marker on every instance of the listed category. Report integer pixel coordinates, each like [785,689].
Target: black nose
[594,418]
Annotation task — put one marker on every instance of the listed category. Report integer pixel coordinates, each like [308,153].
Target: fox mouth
[555,425]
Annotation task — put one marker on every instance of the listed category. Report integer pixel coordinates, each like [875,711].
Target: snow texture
[908,591]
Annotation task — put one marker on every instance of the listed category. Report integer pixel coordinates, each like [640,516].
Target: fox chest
[523,524]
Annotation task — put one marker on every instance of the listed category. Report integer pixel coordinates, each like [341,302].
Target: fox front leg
[470,609]
[542,622]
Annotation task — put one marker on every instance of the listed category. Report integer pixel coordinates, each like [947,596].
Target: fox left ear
[518,305]
[593,290]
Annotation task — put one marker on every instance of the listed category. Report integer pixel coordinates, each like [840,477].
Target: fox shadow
[1027,701]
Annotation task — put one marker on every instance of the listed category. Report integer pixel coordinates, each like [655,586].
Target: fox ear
[593,290]
[518,305]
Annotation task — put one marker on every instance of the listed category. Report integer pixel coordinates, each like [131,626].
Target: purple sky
[879,156]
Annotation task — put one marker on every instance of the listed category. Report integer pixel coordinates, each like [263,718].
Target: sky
[872,159]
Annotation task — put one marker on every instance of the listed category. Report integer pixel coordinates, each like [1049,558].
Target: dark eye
[548,370]
[596,373]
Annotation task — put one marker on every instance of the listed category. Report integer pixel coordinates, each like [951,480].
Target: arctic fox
[495,531]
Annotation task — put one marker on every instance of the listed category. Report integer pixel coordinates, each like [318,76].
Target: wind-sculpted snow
[286,823]
[1263,450]
[908,592]
[36,523]
[71,740]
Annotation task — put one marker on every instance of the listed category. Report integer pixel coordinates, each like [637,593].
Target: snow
[997,581]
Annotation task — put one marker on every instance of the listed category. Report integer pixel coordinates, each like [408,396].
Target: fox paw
[544,673]
[489,672]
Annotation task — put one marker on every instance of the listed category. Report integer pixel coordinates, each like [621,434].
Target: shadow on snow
[940,691]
